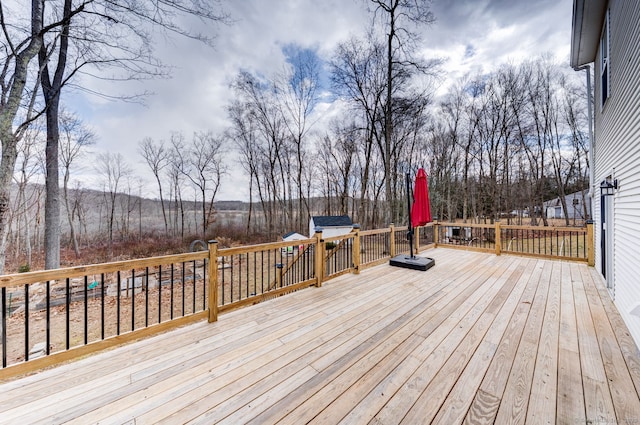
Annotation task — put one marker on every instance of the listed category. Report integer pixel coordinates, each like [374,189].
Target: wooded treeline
[48,46]
[331,135]
[494,145]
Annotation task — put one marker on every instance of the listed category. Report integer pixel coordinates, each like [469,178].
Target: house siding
[617,153]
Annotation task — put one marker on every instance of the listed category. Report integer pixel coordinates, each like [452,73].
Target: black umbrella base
[414,263]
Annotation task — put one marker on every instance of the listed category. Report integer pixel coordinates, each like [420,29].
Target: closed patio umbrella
[419,215]
[421,210]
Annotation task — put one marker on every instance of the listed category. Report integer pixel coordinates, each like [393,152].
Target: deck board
[514,404]
[570,396]
[542,400]
[598,402]
[476,339]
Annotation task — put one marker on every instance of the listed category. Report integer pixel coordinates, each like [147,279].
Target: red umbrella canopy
[420,211]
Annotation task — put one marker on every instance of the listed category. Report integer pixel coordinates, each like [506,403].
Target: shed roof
[332,220]
[286,235]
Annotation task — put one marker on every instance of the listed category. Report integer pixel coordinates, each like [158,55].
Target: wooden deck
[477,339]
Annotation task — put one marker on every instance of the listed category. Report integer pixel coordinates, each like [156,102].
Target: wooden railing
[52,316]
[68,310]
[568,243]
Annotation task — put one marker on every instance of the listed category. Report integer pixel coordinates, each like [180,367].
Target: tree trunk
[388,123]
[52,199]
[164,212]
[51,91]
[8,112]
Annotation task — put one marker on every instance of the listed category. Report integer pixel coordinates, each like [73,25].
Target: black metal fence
[375,245]
[553,242]
[475,236]
[244,274]
[339,256]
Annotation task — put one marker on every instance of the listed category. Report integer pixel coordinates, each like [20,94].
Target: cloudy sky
[472,36]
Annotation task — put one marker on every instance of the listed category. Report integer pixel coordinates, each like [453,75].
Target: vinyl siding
[617,153]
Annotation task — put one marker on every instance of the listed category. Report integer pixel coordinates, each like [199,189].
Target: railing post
[319,257]
[591,253]
[436,231]
[279,267]
[417,239]
[498,238]
[392,241]
[213,280]
[356,249]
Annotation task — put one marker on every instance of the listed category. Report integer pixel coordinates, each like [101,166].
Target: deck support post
[355,254]
[320,253]
[416,234]
[591,253]
[498,238]
[213,280]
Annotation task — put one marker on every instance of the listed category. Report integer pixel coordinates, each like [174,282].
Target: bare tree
[299,97]
[113,169]
[357,75]
[204,168]
[17,49]
[79,210]
[273,154]
[243,133]
[28,166]
[176,173]
[576,119]
[338,152]
[157,158]
[76,137]
[399,19]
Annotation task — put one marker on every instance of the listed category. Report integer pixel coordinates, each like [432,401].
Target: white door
[606,239]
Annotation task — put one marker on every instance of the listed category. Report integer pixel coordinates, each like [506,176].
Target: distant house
[330,225]
[576,203]
[605,33]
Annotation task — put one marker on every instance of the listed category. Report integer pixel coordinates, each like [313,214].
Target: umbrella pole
[410,234]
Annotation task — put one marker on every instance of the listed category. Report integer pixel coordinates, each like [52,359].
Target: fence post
[436,231]
[591,253]
[392,241]
[356,249]
[498,238]
[213,280]
[417,239]
[319,257]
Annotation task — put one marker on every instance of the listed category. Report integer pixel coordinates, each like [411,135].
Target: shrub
[330,245]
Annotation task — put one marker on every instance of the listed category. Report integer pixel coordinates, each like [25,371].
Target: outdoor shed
[293,236]
[330,225]
[578,206]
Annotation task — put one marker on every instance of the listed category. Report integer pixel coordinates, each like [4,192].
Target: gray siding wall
[617,153]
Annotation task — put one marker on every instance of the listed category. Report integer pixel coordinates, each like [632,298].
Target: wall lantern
[607,186]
